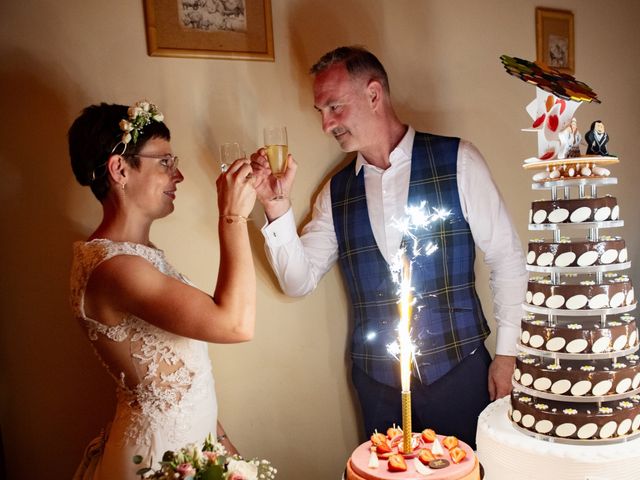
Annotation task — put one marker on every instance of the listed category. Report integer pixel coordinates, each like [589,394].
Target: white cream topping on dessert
[436,449]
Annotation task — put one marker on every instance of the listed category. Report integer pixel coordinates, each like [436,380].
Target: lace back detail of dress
[154,369]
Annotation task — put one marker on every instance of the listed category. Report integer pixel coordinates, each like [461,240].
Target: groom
[396,166]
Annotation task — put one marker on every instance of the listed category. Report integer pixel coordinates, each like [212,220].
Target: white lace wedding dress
[164,385]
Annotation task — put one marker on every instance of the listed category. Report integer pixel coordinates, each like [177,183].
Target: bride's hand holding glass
[236,191]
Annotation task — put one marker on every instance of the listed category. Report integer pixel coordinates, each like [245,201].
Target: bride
[148,324]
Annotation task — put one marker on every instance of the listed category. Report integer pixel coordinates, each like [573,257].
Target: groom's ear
[374,93]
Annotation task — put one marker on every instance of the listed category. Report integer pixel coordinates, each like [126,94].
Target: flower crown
[140,115]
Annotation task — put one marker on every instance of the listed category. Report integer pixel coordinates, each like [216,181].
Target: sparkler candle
[417,217]
[406,351]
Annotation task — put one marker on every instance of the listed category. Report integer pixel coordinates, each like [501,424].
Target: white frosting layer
[507,454]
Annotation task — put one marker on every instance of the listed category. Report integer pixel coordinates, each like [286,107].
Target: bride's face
[151,189]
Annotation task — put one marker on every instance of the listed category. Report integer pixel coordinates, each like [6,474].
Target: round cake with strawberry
[437,456]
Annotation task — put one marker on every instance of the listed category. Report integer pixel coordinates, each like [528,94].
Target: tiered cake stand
[586,187]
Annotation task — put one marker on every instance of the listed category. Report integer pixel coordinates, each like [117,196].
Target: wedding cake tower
[575,410]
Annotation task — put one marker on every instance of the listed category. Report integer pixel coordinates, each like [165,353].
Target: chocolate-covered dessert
[574,210]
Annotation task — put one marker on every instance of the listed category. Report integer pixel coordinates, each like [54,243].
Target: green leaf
[168,456]
[142,471]
[213,472]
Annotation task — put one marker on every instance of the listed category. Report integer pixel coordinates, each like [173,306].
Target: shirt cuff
[507,339]
[281,231]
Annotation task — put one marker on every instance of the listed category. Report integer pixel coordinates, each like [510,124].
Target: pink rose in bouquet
[186,470]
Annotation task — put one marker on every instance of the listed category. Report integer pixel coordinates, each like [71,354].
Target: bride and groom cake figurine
[558,134]
[570,140]
[597,139]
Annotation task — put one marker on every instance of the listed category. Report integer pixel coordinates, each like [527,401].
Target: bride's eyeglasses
[168,161]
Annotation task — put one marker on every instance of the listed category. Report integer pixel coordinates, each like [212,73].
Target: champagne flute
[229,153]
[276,145]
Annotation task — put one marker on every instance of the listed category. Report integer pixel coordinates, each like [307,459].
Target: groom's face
[342,102]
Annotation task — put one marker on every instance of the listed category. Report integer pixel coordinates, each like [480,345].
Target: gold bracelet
[234,218]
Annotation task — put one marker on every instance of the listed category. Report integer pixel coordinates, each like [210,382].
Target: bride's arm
[221,437]
[131,284]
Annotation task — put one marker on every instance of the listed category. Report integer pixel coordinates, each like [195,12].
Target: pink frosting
[360,462]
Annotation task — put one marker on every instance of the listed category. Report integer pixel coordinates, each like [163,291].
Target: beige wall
[285,396]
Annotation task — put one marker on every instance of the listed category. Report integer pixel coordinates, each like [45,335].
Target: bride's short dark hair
[93,137]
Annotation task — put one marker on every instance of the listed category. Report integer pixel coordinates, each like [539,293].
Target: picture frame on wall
[222,29]
[554,39]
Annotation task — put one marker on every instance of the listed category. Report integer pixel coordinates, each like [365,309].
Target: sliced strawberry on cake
[457,454]
[397,463]
[393,432]
[450,442]
[378,438]
[428,435]
[426,456]
[383,450]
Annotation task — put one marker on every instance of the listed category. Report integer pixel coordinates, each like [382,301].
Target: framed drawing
[554,39]
[227,29]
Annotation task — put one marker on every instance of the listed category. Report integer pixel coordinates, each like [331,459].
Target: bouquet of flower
[211,462]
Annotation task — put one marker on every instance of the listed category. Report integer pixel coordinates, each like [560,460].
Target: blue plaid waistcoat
[448,323]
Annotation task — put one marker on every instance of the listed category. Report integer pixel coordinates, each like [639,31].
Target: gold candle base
[406,422]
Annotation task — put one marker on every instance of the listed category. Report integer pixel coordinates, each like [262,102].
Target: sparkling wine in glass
[276,145]
[229,153]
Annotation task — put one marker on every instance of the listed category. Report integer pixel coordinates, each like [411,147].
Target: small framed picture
[554,39]
[226,29]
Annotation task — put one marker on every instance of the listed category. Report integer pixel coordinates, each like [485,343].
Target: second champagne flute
[276,145]
[229,153]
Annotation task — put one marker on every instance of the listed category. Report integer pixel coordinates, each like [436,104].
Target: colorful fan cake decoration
[552,112]
[549,79]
